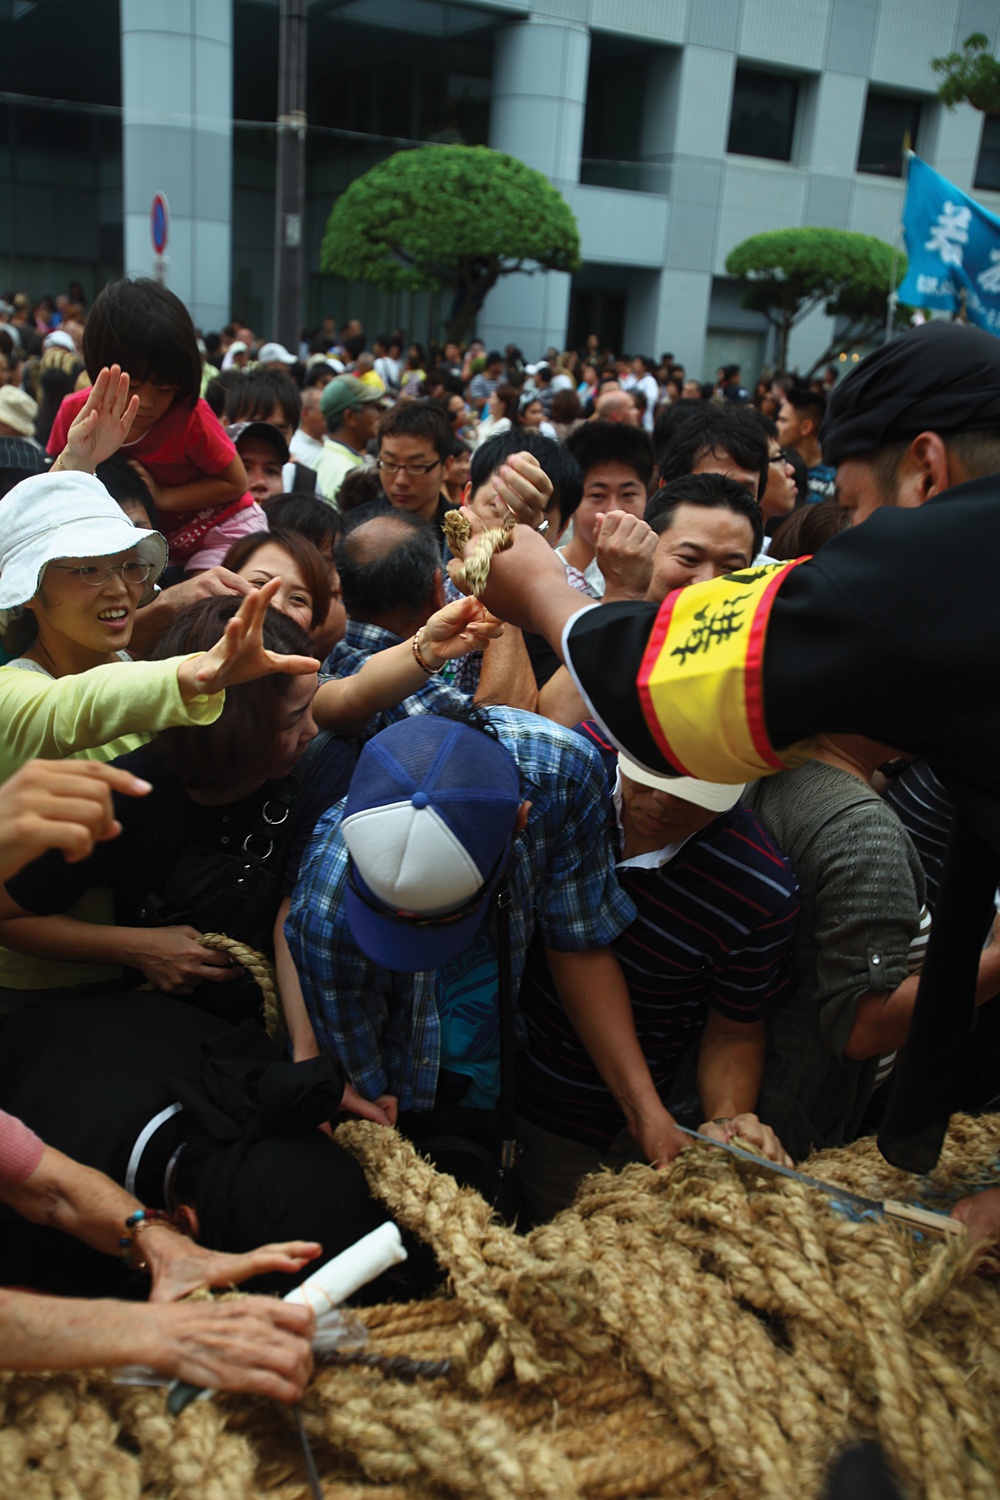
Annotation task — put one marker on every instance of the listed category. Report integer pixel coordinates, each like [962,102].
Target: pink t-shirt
[185,445]
[20,1149]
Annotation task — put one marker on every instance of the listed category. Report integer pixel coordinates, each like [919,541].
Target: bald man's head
[390,571]
[617,406]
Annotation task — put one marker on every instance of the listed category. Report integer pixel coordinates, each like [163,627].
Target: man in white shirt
[645,381]
[307,440]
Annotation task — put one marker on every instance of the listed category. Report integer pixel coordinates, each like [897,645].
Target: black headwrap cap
[263,1171]
[943,377]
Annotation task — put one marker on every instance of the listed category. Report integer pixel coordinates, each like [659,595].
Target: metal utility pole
[290,180]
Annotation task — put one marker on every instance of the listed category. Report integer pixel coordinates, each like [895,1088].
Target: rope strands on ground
[713,1330]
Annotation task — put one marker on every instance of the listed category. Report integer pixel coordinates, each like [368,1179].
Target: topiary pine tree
[449,216]
[971,76]
[788,273]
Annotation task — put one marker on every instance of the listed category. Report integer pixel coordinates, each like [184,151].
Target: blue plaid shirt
[384,1027]
[363,641]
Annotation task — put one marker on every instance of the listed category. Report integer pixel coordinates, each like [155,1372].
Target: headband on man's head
[943,377]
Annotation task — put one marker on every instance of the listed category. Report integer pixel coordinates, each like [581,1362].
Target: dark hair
[218,389]
[206,758]
[768,424]
[555,459]
[442,377]
[387,570]
[311,517]
[508,398]
[123,484]
[54,384]
[714,491]
[807,529]
[527,400]
[318,370]
[146,329]
[252,397]
[494,357]
[565,406]
[304,554]
[418,419]
[612,443]
[811,404]
[712,431]
[801,470]
[361,485]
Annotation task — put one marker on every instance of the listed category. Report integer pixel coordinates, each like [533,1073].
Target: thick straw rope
[261,970]
[712,1330]
[476,567]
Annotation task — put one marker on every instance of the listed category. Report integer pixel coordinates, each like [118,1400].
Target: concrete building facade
[674,128]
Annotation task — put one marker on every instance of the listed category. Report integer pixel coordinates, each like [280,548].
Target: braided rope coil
[710,1330]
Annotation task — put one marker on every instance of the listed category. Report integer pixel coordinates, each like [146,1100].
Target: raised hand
[241,656]
[102,423]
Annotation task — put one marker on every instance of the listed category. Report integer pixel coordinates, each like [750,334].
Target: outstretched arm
[347,703]
[67,1195]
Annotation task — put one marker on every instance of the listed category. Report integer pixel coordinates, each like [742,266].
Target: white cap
[275,353]
[59,340]
[711,795]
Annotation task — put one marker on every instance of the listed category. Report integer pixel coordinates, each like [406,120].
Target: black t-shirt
[159,828]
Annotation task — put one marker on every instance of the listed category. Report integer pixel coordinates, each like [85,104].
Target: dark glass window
[763,118]
[888,119]
[616,89]
[988,166]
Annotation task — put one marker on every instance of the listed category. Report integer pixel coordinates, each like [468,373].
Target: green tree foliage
[789,273]
[449,216]
[971,76]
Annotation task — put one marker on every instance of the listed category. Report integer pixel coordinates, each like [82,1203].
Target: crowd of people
[245,692]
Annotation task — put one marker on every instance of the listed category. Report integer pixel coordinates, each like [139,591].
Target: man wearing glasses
[414,460]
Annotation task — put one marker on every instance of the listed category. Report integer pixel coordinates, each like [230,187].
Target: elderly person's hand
[178,1265]
[102,423]
[258,1345]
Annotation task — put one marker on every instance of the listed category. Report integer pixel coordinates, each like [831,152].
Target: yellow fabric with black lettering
[700,681]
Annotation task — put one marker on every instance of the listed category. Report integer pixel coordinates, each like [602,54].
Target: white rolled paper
[342,1276]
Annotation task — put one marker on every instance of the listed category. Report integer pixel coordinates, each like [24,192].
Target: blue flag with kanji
[953,244]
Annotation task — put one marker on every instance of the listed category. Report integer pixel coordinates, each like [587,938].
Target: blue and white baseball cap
[428,823]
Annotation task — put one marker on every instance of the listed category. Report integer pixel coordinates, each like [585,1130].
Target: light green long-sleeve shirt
[95,715]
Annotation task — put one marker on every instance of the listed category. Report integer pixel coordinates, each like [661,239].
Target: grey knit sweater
[862,891]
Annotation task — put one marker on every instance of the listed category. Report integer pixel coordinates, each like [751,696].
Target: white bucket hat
[65,514]
[711,795]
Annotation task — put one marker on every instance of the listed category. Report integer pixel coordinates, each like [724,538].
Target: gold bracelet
[418,658]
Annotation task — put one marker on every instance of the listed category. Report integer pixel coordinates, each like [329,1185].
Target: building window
[988,166]
[617,85]
[763,118]
[889,119]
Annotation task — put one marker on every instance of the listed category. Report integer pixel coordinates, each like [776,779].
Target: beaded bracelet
[418,658]
[135,1225]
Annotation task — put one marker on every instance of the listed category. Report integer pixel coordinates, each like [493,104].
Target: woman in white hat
[73,572]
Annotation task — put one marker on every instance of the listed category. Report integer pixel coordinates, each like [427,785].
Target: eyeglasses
[415,471]
[781,457]
[96,576]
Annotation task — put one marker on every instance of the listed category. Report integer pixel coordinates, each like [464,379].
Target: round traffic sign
[159,223]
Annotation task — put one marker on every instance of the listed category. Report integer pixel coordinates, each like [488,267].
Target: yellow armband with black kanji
[700,682]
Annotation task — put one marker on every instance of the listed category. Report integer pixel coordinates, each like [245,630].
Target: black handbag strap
[508,1042]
